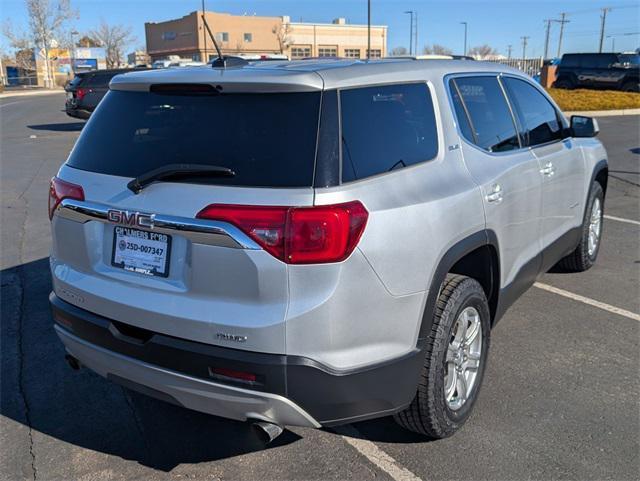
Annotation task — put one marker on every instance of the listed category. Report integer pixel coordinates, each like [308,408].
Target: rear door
[561,162]
[507,174]
[146,259]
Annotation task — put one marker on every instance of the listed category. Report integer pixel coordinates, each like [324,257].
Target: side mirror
[582,126]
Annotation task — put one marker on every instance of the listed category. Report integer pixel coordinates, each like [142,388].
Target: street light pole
[410,12]
[368,29]
[465,37]
[73,52]
[204,38]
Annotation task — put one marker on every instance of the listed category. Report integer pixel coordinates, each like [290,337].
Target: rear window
[269,140]
[77,80]
[386,128]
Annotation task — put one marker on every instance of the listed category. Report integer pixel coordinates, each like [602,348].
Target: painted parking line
[621,219]
[374,454]
[589,301]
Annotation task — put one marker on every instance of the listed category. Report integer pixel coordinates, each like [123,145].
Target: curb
[30,93]
[604,113]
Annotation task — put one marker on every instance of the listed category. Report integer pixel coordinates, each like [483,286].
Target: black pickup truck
[612,71]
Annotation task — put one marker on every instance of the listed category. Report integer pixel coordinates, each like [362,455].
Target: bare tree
[397,51]
[46,20]
[114,39]
[482,51]
[22,44]
[282,32]
[436,49]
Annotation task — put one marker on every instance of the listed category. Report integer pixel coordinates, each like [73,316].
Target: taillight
[81,92]
[59,190]
[297,235]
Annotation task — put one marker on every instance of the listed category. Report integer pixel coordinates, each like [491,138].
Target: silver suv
[316,242]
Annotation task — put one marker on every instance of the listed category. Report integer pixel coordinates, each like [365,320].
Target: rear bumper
[289,390]
[77,113]
[209,397]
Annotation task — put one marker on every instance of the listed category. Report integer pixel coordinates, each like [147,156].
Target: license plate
[141,251]
[69,95]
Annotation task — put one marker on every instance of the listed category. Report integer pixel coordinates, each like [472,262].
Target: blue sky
[497,23]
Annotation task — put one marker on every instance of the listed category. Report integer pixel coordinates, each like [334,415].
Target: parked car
[86,90]
[352,272]
[613,71]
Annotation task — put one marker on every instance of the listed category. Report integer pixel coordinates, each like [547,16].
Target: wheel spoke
[451,351]
[461,385]
[451,381]
[473,330]
[473,362]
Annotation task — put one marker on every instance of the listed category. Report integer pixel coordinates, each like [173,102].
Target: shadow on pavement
[59,127]
[81,408]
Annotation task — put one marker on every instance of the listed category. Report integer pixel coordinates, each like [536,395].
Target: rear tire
[586,253]
[631,86]
[455,360]
[564,83]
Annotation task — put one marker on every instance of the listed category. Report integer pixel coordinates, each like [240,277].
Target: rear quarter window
[386,128]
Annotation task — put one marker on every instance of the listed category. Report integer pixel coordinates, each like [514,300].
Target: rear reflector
[59,190]
[230,373]
[297,235]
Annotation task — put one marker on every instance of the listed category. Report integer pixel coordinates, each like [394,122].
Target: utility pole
[603,18]
[509,48]
[562,21]
[368,29]
[546,38]
[524,46]
[465,37]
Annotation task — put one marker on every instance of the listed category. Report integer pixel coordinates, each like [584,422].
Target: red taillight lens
[298,235]
[59,190]
[81,92]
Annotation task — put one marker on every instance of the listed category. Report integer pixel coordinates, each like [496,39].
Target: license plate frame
[122,234]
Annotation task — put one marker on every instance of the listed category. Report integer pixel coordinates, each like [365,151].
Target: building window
[300,51]
[352,52]
[168,35]
[327,51]
[222,36]
[248,37]
[376,53]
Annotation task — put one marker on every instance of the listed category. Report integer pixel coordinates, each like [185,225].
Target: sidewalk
[29,92]
[604,113]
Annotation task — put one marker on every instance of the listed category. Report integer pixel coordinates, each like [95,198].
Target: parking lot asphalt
[560,398]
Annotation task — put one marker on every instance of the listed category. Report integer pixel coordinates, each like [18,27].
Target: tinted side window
[461,113]
[491,120]
[386,128]
[570,61]
[537,117]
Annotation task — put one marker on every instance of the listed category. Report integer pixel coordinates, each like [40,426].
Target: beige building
[253,35]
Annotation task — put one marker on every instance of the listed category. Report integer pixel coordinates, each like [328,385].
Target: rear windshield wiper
[175,171]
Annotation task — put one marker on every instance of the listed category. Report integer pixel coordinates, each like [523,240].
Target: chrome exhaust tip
[267,430]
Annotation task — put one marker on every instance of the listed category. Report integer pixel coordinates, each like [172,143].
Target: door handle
[548,170]
[495,196]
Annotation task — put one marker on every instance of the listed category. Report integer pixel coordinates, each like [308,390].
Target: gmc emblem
[125,217]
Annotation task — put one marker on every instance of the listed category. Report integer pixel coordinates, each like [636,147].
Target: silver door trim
[199,231]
